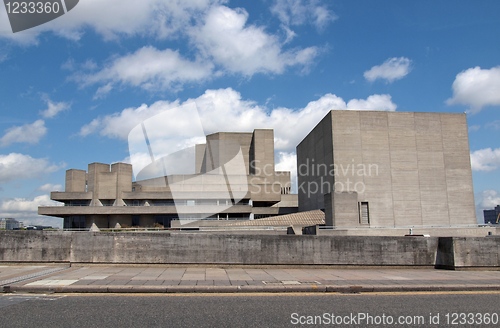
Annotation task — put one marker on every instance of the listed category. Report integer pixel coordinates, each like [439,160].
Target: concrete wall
[314,153]
[402,231]
[466,252]
[199,248]
[412,168]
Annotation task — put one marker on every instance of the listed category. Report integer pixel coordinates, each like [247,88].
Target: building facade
[387,169]
[492,216]
[233,179]
[10,224]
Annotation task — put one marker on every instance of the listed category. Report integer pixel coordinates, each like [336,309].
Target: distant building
[38,227]
[10,224]
[233,178]
[491,216]
[373,169]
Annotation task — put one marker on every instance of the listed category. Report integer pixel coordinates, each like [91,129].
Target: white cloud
[119,125]
[16,166]
[3,57]
[300,12]
[391,70]
[226,38]
[288,162]
[26,210]
[485,159]
[28,133]
[220,38]
[48,187]
[476,88]
[103,91]
[53,108]
[114,18]
[474,128]
[18,205]
[373,102]
[225,110]
[486,200]
[148,68]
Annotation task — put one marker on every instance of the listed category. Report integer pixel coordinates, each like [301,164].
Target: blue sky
[73,88]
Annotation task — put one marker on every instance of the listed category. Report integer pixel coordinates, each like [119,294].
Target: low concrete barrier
[468,252]
[201,248]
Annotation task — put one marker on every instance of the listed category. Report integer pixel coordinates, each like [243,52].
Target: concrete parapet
[468,252]
[200,248]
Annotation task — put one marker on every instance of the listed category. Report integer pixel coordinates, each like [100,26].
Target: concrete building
[492,216]
[369,169]
[10,224]
[233,179]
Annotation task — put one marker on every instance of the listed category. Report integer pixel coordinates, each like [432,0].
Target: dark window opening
[364,213]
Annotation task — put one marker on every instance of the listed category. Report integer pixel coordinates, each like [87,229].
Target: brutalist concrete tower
[388,169]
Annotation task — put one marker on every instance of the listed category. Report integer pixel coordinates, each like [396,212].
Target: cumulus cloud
[26,210]
[476,88]
[391,70]
[225,110]
[16,166]
[53,108]
[486,200]
[148,68]
[221,41]
[373,102]
[28,133]
[288,162]
[227,39]
[18,205]
[301,12]
[114,18]
[48,187]
[485,159]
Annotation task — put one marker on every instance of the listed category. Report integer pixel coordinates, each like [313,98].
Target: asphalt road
[251,310]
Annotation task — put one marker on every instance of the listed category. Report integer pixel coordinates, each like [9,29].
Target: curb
[247,289]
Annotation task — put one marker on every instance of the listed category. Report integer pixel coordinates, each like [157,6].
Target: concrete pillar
[123,173]
[146,221]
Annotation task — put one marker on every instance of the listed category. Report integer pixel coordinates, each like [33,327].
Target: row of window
[163,202]
[187,202]
[78,221]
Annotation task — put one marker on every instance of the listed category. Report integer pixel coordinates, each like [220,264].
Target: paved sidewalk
[169,279]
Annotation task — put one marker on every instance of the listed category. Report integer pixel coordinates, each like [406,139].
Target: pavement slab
[127,279]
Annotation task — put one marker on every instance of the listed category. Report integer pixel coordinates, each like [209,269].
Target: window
[74,222]
[107,202]
[136,219]
[364,213]
[78,203]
